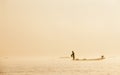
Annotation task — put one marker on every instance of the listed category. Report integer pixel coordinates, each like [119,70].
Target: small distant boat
[102,57]
[84,59]
[73,56]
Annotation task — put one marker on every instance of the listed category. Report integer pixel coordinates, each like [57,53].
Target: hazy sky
[55,27]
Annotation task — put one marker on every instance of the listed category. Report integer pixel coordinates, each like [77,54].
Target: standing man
[73,55]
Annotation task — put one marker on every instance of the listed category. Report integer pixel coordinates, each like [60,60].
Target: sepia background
[40,28]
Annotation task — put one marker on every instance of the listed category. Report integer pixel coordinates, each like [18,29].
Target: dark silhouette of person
[102,57]
[73,55]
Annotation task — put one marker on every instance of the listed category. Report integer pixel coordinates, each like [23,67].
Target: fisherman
[73,55]
[102,57]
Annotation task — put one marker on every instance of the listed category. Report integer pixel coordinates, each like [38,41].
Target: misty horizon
[55,28]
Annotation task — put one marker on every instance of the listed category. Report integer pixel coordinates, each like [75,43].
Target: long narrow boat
[95,59]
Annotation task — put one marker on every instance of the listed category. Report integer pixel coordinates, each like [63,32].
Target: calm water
[59,67]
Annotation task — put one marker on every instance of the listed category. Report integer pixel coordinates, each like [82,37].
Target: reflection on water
[59,67]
